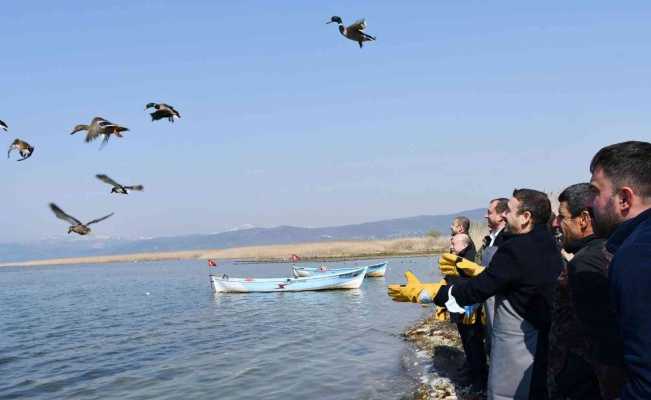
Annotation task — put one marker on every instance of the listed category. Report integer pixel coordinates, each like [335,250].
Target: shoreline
[308,252]
[439,355]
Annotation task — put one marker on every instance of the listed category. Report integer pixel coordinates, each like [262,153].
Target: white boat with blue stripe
[349,279]
[374,271]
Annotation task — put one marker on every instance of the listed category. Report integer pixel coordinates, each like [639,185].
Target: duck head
[78,128]
[335,19]
[150,105]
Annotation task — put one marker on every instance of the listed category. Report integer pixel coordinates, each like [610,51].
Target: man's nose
[556,223]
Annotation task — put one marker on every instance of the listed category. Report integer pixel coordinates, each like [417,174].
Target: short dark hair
[579,198]
[502,204]
[626,163]
[536,202]
[464,222]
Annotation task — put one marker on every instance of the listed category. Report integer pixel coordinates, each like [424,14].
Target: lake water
[156,330]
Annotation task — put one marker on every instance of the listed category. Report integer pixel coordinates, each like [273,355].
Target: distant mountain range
[385,229]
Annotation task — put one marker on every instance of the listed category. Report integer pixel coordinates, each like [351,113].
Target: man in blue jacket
[622,174]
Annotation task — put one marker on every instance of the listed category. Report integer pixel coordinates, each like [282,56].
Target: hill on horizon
[383,229]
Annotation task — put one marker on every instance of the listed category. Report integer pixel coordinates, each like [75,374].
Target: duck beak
[329,22]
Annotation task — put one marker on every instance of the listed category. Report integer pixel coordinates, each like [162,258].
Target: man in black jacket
[588,354]
[522,276]
[469,325]
[622,175]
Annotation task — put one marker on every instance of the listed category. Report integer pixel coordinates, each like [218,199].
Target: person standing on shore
[621,174]
[469,326]
[474,372]
[459,225]
[522,276]
[496,221]
[586,356]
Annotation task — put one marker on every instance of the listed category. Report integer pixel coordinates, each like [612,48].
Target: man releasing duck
[117,188]
[75,225]
[23,148]
[354,31]
[100,127]
[163,111]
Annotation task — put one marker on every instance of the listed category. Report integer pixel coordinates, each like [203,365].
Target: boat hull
[374,271]
[345,280]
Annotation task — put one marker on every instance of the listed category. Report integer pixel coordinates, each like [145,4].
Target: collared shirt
[493,235]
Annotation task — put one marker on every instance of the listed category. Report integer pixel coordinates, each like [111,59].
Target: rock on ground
[440,345]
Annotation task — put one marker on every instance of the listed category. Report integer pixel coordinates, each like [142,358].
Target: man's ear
[625,199]
[585,220]
[527,216]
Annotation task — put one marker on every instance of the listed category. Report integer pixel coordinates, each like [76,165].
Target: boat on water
[349,279]
[374,271]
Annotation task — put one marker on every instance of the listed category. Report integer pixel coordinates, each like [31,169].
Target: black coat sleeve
[502,272]
[588,280]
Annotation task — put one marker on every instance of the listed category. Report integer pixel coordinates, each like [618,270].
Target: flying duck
[75,225]
[354,31]
[23,148]
[3,126]
[100,127]
[163,111]
[117,188]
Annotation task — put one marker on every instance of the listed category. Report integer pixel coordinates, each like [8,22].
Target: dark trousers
[472,340]
[577,380]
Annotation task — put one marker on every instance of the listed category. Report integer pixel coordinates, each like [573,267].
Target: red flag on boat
[294,258]
[212,263]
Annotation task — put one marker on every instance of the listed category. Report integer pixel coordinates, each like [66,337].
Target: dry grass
[477,232]
[318,250]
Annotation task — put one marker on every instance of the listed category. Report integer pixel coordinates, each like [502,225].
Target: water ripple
[91,332]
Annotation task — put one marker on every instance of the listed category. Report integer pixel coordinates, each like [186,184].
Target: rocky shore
[439,352]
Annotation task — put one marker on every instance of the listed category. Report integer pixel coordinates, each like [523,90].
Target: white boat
[374,271]
[350,279]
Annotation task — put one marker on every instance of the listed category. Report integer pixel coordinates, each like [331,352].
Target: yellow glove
[441,314]
[394,292]
[412,290]
[469,268]
[448,266]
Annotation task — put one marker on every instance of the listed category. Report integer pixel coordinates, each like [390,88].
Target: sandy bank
[307,251]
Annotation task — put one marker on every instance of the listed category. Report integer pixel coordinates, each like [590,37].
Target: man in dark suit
[585,347]
[522,276]
[621,174]
[496,221]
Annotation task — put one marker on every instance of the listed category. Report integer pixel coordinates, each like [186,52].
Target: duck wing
[358,25]
[26,154]
[100,122]
[106,179]
[99,219]
[16,145]
[62,215]
[114,128]
[3,125]
[172,110]
[160,114]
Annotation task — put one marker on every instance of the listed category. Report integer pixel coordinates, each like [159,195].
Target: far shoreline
[308,252]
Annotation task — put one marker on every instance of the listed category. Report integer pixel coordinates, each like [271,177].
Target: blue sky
[286,122]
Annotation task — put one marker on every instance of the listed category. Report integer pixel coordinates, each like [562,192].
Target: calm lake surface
[156,330]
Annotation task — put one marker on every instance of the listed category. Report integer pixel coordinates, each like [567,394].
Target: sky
[285,122]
